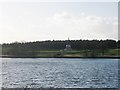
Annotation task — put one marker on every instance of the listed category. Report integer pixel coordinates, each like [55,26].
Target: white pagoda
[68,46]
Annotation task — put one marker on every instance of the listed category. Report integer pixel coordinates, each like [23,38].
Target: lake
[59,73]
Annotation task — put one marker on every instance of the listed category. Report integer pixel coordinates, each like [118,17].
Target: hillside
[79,48]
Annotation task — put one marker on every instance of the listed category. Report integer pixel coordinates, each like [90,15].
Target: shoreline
[104,57]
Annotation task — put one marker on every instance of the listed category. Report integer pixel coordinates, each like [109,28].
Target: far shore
[105,57]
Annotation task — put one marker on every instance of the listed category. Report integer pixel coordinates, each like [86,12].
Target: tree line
[24,48]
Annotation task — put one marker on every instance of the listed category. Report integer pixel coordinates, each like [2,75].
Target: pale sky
[37,21]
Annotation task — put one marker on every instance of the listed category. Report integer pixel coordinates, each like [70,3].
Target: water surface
[59,73]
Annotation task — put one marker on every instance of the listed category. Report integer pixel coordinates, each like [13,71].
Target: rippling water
[59,73]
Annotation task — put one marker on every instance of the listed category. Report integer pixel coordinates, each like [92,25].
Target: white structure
[68,46]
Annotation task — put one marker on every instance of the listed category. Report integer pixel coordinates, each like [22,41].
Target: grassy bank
[70,53]
[80,53]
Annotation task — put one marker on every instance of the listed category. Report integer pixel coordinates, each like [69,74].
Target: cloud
[84,26]
[60,26]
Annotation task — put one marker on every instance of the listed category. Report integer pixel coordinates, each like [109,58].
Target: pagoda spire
[68,39]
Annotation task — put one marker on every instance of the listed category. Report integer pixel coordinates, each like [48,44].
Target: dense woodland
[31,48]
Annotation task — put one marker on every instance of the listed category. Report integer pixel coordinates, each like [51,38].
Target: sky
[37,21]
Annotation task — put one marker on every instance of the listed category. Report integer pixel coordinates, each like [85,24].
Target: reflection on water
[60,73]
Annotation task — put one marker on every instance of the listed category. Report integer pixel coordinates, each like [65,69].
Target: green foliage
[56,48]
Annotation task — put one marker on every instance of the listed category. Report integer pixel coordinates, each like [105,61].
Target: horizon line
[23,41]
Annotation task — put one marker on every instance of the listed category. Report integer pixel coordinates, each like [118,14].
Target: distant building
[68,46]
